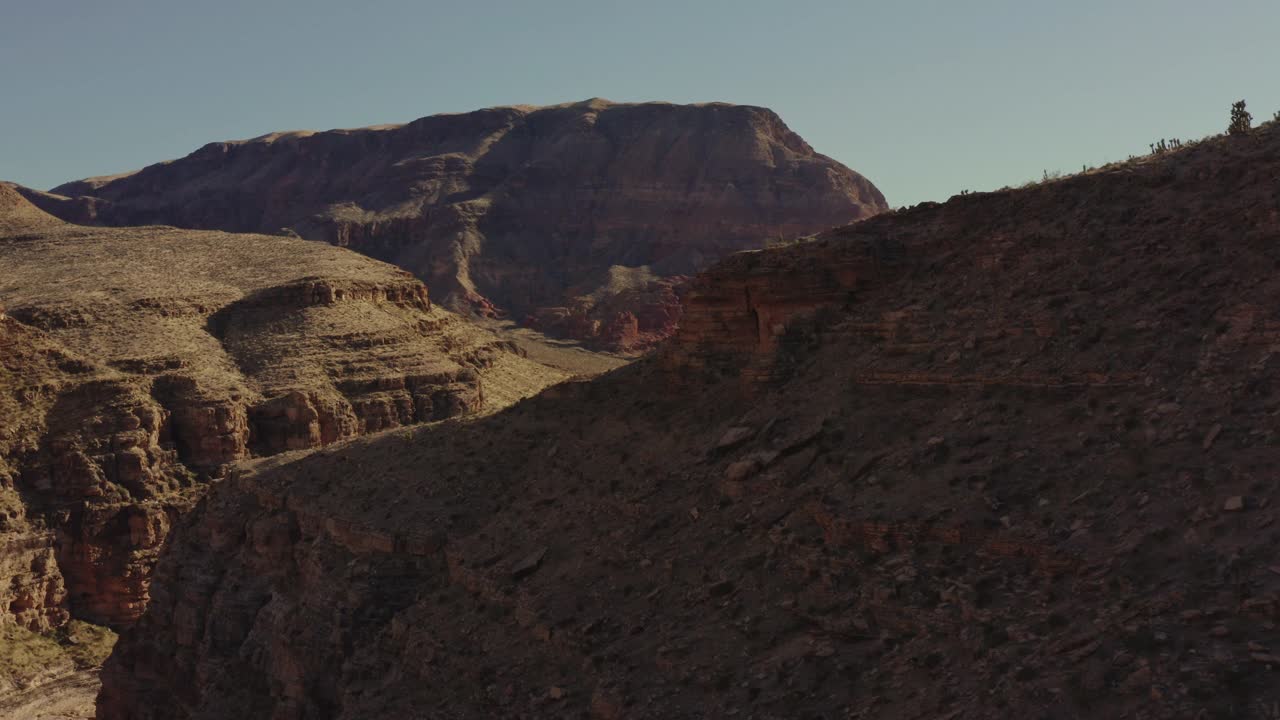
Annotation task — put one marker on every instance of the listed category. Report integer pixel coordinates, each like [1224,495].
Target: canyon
[1011,455]
[581,220]
[138,364]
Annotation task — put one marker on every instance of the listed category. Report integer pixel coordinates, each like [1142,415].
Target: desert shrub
[1046,176]
[1163,146]
[87,645]
[1241,120]
[26,655]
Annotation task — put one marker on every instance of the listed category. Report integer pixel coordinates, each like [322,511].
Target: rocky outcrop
[136,364]
[79,447]
[629,320]
[1012,456]
[35,594]
[740,314]
[593,208]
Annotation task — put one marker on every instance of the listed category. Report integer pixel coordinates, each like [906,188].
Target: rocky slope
[136,364]
[1010,456]
[580,219]
[51,675]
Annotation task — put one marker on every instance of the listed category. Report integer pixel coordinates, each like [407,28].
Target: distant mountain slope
[1011,456]
[534,213]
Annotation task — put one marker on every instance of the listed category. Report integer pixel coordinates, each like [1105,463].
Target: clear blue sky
[925,98]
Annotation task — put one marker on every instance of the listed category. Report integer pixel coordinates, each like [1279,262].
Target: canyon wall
[87,485]
[582,219]
[1011,455]
[137,364]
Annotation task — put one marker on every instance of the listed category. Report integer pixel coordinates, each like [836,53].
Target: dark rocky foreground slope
[137,363]
[579,219]
[1010,456]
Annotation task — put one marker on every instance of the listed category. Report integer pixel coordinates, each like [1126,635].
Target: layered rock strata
[581,219]
[136,364]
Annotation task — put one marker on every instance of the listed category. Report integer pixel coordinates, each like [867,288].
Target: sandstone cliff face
[1008,456]
[136,364]
[535,213]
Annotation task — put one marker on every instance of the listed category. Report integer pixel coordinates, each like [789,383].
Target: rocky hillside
[1009,456]
[580,219]
[136,364]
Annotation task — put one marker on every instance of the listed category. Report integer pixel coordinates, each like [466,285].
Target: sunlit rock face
[136,364]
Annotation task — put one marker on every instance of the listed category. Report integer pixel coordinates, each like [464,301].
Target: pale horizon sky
[924,98]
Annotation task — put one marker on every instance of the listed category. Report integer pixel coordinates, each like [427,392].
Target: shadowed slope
[1008,456]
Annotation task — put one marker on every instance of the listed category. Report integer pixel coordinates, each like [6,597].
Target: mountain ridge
[1009,455]
[513,211]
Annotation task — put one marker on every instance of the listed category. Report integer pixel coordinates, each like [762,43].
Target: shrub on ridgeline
[1241,120]
[778,241]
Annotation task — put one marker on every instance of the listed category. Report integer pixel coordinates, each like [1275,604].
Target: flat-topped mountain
[1013,455]
[578,219]
[137,363]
